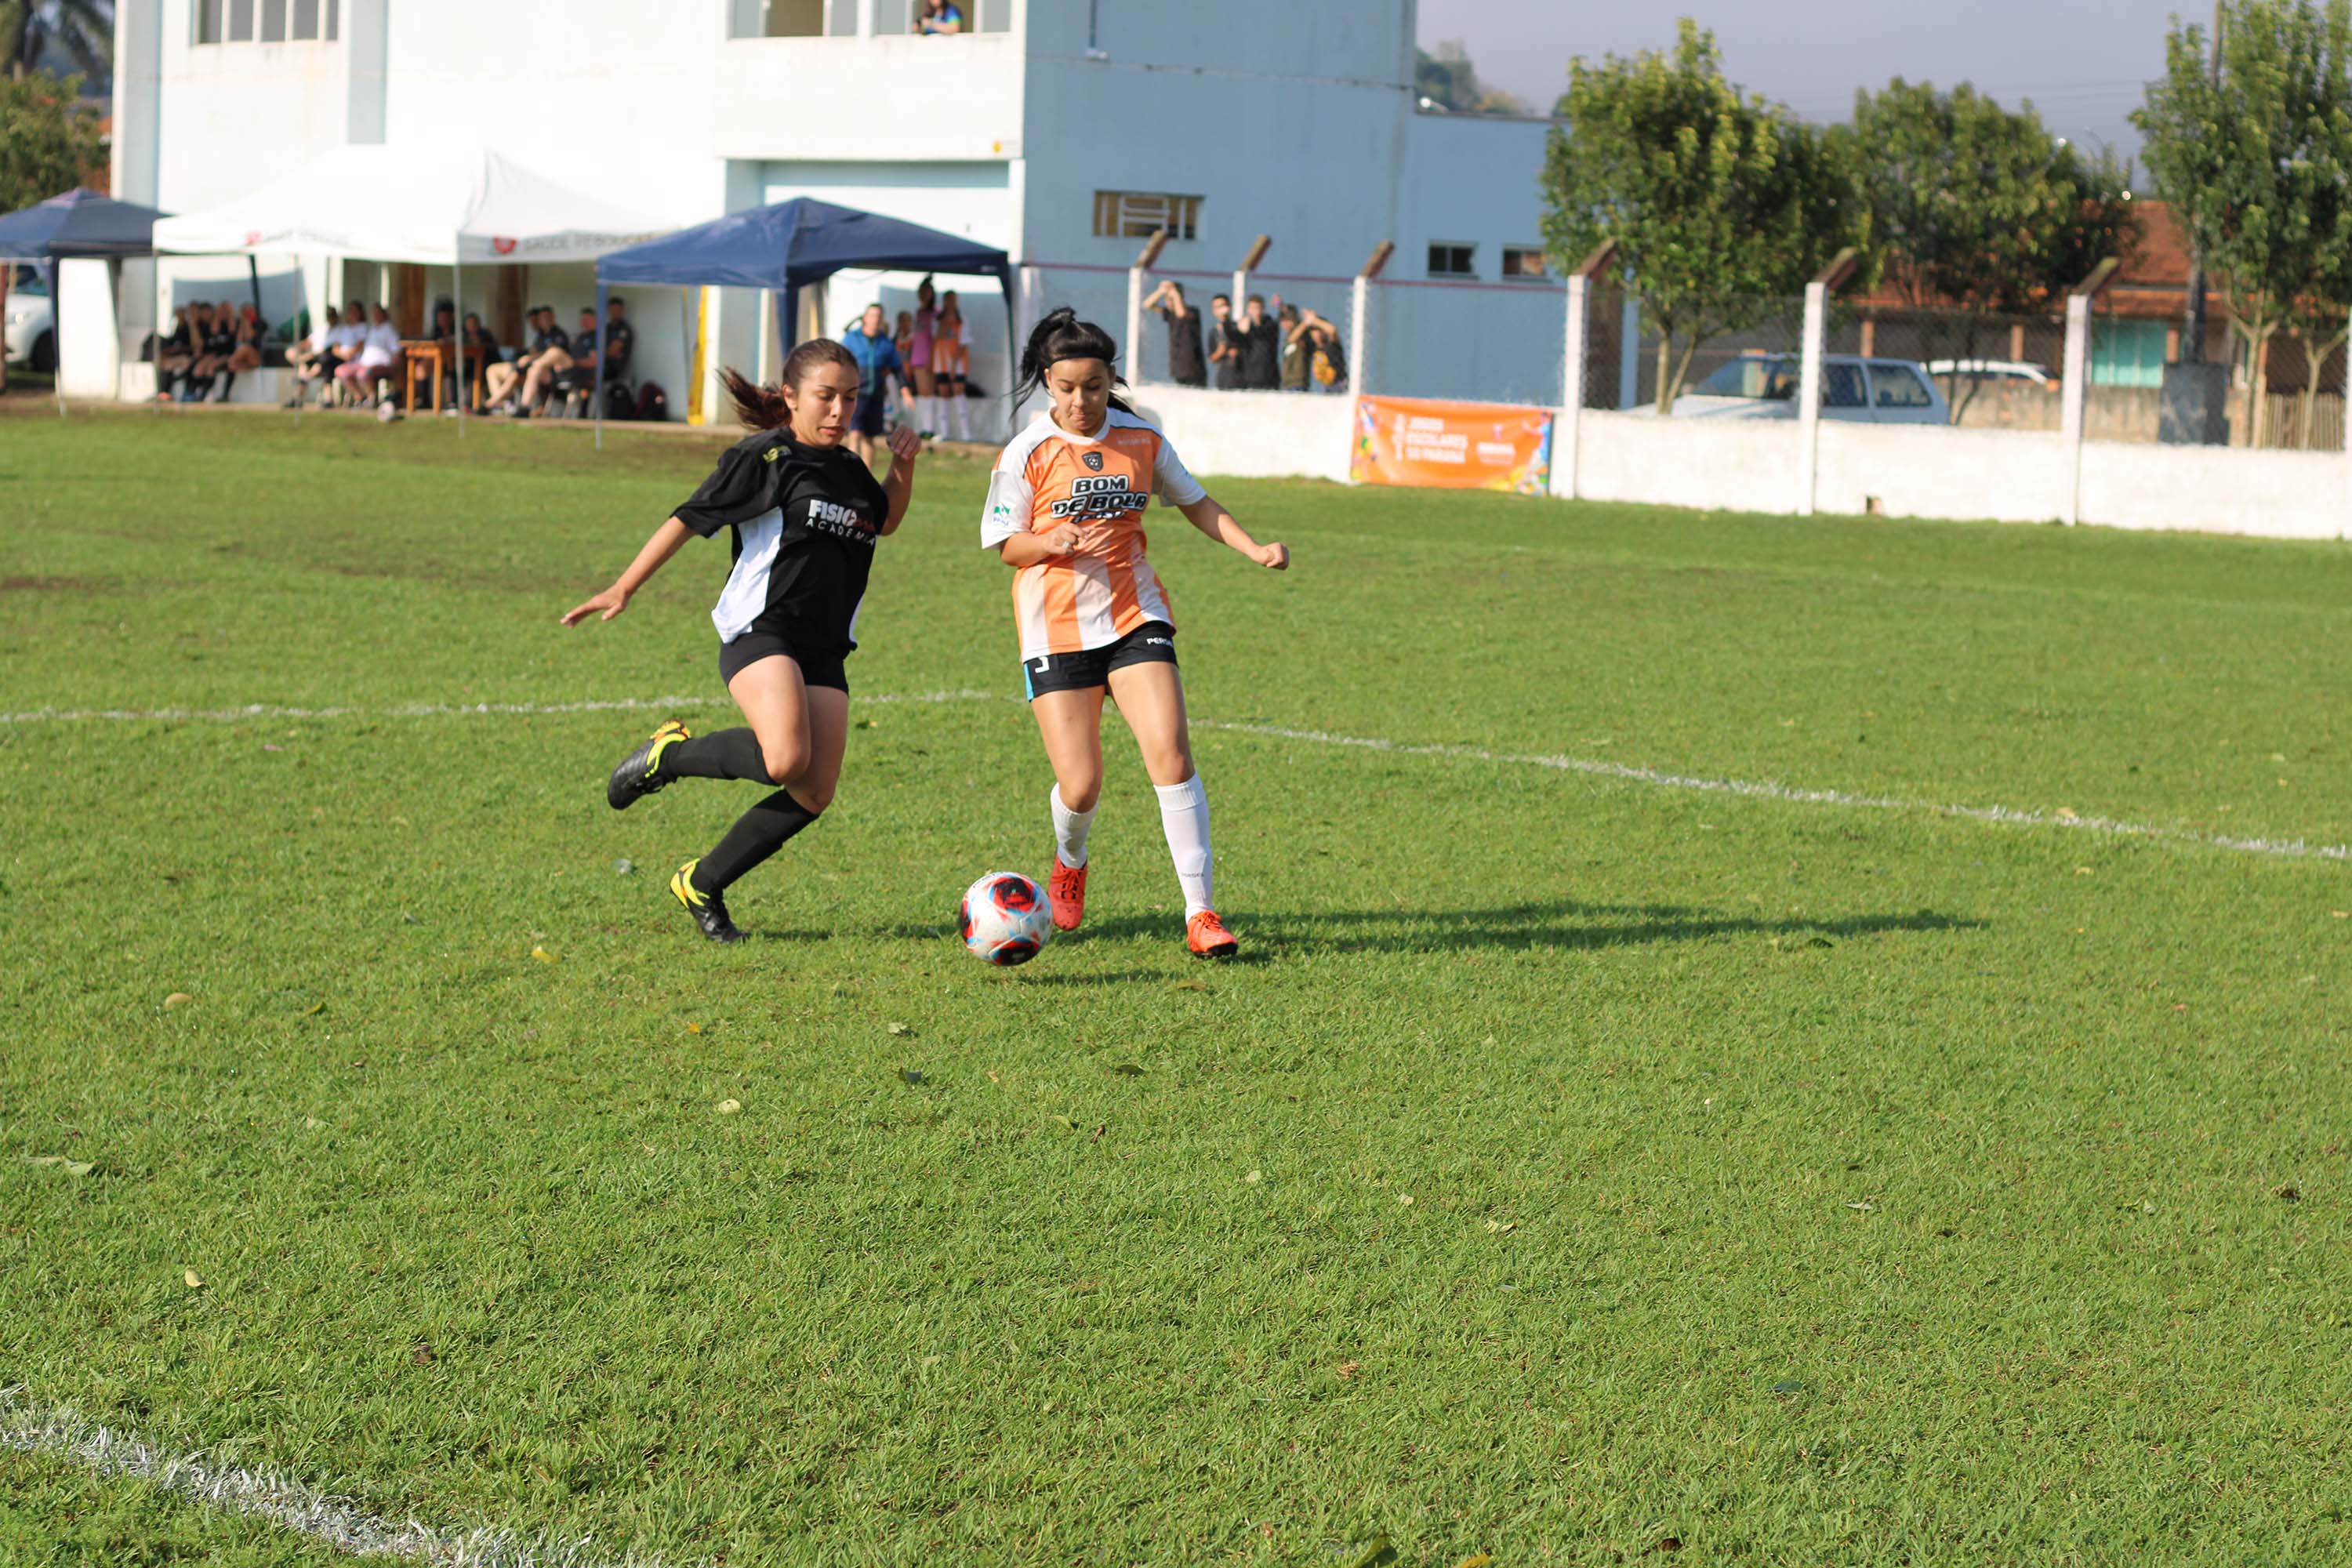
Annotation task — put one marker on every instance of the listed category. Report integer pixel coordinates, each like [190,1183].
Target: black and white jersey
[805,519]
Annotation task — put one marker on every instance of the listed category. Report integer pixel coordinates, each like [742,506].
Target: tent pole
[57,331]
[457,325]
[599,343]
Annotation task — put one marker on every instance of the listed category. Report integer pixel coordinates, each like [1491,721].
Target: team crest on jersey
[1093,461]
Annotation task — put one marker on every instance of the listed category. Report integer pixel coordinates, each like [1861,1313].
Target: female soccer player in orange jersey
[1065,512]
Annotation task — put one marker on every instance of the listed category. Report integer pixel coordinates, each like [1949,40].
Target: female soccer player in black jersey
[805,512]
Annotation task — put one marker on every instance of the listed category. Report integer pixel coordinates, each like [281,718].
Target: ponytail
[763,407]
[1060,336]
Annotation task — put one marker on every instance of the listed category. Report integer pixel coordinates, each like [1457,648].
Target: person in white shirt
[379,352]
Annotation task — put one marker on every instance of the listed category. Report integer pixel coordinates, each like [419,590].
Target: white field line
[2279,849]
[336,1521]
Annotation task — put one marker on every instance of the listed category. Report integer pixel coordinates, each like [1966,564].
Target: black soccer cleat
[637,776]
[709,910]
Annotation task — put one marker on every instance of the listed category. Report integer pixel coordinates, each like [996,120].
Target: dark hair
[1228,298]
[1060,336]
[616,299]
[763,407]
[1255,299]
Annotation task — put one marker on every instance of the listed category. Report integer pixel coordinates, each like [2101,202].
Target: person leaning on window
[938,18]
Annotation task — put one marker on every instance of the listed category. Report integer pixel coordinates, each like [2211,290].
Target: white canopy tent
[434,206]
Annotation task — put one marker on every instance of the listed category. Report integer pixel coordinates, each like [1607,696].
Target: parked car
[1764,386]
[1993,372]
[31,329]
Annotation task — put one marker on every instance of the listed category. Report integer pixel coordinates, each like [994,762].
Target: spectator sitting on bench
[379,353]
[344,347]
[176,352]
[481,350]
[615,341]
[546,337]
[544,370]
[309,360]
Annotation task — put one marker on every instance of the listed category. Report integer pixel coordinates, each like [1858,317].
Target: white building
[1063,130]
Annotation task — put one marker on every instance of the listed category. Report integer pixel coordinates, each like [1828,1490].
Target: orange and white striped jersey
[1047,476]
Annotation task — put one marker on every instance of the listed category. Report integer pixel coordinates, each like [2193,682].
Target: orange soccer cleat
[1206,935]
[1067,890]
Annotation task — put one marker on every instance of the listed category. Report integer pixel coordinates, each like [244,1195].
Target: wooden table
[424,356]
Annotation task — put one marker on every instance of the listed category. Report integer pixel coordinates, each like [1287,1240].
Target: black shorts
[871,414]
[1153,642]
[817,669]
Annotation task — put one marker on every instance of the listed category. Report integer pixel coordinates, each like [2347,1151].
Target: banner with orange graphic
[1454,446]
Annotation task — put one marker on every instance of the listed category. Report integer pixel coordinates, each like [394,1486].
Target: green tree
[1721,204]
[2256,160]
[49,143]
[1979,208]
[84,30]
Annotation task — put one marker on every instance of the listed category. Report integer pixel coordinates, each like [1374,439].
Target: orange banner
[1457,446]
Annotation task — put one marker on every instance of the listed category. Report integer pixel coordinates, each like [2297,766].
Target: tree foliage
[1978,207]
[48,142]
[2257,166]
[1722,205]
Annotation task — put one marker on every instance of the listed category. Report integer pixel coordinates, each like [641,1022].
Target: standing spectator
[546,338]
[309,360]
[1326,361]
[1293,349]
[938,18]
[379,352]
[1224,351]
[920,368]
[951,360]
[1185,365]
[878,359]
[1258,340]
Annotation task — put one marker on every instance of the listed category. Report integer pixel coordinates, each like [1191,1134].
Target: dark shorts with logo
[817,668]
[1153,642]
[872,414]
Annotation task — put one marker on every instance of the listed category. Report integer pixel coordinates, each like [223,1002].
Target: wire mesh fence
[1485,343]
[1748,359]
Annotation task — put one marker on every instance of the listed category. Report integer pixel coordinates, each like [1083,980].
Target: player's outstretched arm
[1218,523]
[665,543]
[905,446]
[1028,548]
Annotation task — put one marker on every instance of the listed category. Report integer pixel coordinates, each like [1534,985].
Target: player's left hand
[905,442]
[1274,557]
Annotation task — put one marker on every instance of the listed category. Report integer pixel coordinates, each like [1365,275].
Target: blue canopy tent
[779,249]
[78,224]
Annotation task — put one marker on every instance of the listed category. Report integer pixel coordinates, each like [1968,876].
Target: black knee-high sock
[721,754]
[228,385]
[757,834]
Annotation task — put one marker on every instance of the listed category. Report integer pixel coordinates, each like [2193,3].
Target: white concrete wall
[2218,490]
[1254,435]
[90,355]
[1711,464]
[1922,471]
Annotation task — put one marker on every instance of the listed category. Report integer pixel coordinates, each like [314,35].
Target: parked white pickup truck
[1764,386]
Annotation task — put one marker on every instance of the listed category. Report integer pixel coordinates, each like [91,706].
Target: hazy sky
[2081,61]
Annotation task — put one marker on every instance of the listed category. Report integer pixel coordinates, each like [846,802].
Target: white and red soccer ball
[1006,918]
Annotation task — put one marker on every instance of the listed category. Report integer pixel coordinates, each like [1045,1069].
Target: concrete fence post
[1360,319]
[2075,391]
[1135,292]
[1809,375]
[1249,264]
[1808,392]
[1629,352]
[1568,428]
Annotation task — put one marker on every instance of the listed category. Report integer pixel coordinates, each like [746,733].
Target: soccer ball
[1006,918]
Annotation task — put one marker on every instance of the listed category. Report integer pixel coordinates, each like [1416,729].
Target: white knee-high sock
[959,413]
[1070,830]
[1185,813]
[930,414]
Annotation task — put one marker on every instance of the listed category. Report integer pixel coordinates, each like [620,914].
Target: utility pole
[2193,331]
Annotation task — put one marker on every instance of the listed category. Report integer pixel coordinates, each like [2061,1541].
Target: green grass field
[1575,1164]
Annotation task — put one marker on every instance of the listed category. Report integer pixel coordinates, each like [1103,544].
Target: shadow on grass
[1525,927]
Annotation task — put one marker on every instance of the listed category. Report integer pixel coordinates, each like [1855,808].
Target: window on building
[1521,261]
[1139,215]
[795,19]
[1447,259]
[267,21]
[2126,353]
[993,15]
